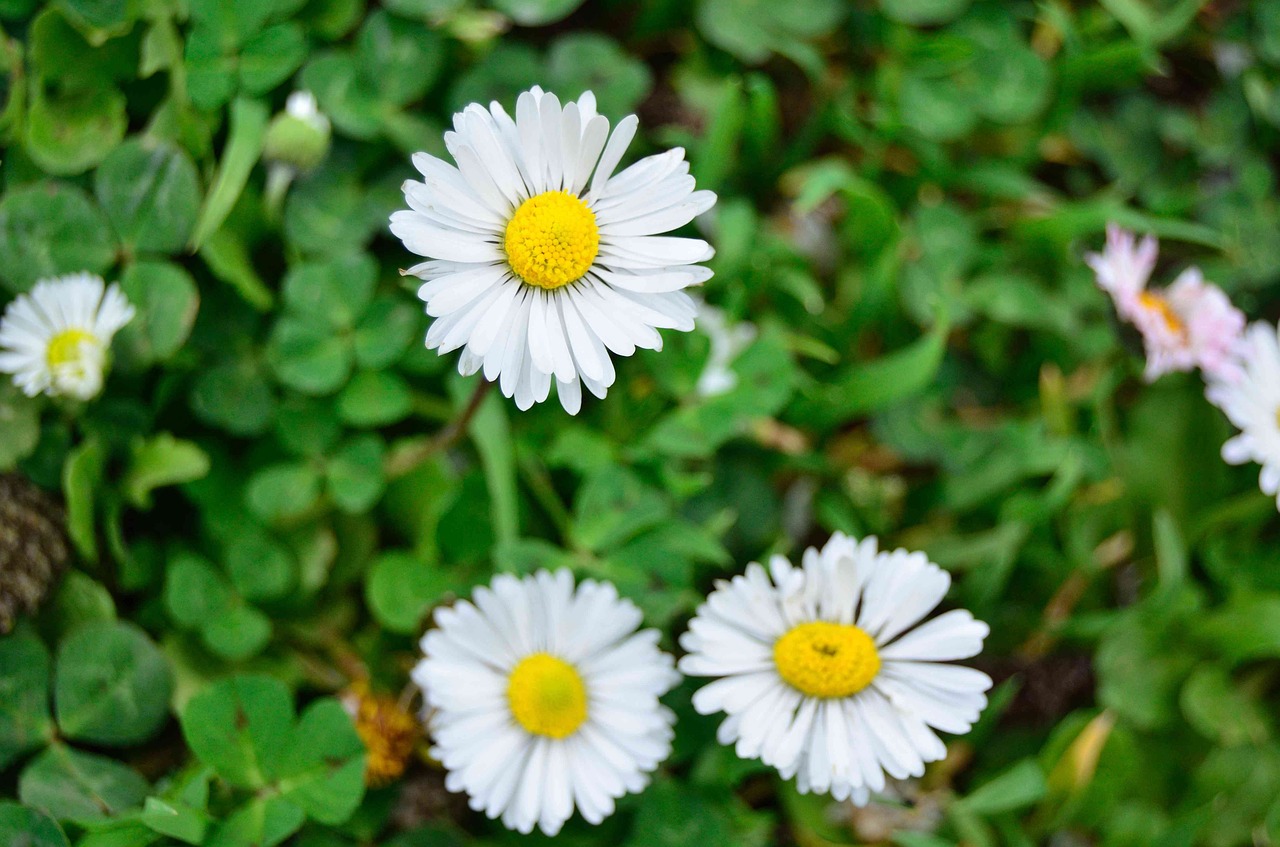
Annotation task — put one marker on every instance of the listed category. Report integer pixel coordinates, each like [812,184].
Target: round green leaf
[260,567]
[333,294]
[309,358]
[24,696]
[241,728]
[589,61]
[166,300]
[112,685]
[356,480]
[385,332]
[307,427]
[374,399]
[401,588]
[234,396]
[75,786]
[238,634]
[75,131]
[536,12]
[350,102]
[398,59]
[194,592]
[271,57]
[48,229]
[150,191]
[23,827]
[283,491]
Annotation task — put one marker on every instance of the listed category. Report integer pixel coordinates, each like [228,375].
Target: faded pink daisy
[1190,324]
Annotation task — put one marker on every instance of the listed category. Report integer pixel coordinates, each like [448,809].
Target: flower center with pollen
[66,348]
[1159,305]
[552,239]
[826,660]
[547,696]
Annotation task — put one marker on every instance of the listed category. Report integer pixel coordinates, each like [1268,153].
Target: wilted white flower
[56,338]
[543,260]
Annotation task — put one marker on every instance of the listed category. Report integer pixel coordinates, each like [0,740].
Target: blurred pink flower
[1190,324]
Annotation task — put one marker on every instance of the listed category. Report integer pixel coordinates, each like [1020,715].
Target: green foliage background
[907,187]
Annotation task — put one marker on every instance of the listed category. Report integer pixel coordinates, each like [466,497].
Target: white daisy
[822,674]
[541,698]
[1250,398]
[543,261]
[55,338]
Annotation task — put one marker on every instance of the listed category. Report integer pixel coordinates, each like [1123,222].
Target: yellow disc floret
[65,348]
[552,239]
[824,659]
[547,696]
[1158,304]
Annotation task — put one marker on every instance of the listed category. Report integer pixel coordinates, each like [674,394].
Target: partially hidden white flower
[542,697]
[825,671]
[1251,401]
[728,339]
[55,339]
[542,260]
[1190,324]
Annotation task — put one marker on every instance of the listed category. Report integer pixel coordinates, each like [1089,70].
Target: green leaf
[588,61]
[923,12]
[112,685]
[23,827]
[1222,710]
[238,634]
[398,60]
[384,332]
[262,822]
[309,358]
[877,385]
[194,592]
[332,294]
[374,399]
[753,29]
[261,568]
[24,696]
[1245,630]
[80,600]
[51,228]
[75,786]
[235,396]
[491,434]
[76,131]
[536,12]
[175,820]
[401,587]
[1016,788]
[323,771]
[166,300]
[229,261]
[281,492]
[162,461]
[150,191]
[271,57]
[244,145]
[356,479]
[240,727]
[81,479]
[19,425]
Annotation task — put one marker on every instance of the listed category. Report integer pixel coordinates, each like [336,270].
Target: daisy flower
[55,339]
[542,697]
[542,260]
[825,675]
[1190,324]
[1252,403]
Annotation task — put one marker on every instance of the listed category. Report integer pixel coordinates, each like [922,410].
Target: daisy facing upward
[55,339]
[542,697]
[825,671]
[543,259]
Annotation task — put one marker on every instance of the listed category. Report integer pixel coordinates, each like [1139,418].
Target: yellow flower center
[552,239]
[824,659]
[65,348]
[547,696]
[1157,303]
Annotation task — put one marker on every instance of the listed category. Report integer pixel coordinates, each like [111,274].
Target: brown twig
[405,459]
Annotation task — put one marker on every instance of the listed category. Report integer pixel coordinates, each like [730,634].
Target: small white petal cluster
[55,339]
[1251,400]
